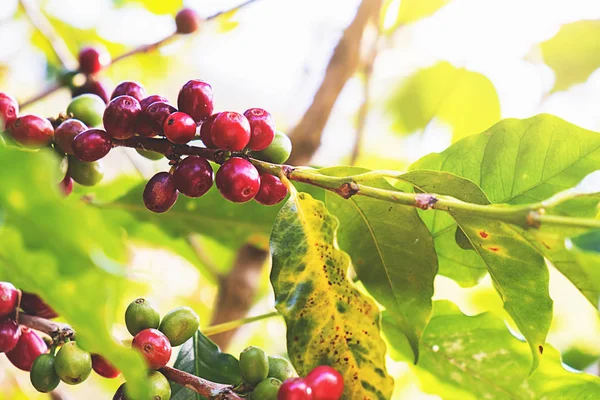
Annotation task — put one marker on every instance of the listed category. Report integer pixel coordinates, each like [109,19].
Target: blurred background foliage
[443,69]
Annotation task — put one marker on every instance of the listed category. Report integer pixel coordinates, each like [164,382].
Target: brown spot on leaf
[494,249]
[484,234]
[541,349]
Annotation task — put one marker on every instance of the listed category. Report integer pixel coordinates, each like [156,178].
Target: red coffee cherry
[9,295]
[153,98]
[93,59]
[66,132]
[32,304]
[32,131]
[326,383]
[29,347]
[155,347]
[295,389]
[66,186]
[160,193]
[91,145]
[205,132]
[156,115]
[92,86]
[272,191]
[129,88]
[230,131]
[179,128]
[196,99]
[10,332]
[120,117]
[193,176]
[103,368]
[187,21]
[262,127]
[9,108]
[238,180]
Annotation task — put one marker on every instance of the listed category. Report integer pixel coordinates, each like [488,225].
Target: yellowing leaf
[402,12]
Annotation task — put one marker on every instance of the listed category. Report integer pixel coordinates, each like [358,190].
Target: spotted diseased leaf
[329,321]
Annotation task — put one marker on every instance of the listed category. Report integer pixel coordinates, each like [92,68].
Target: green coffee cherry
[150,155]
[43,376]
[86,174]
[72,365]
[179,325]
[278,151]
[281,368]
[160,388]
[266,389]
[254,365]
[88,108]
[141,315]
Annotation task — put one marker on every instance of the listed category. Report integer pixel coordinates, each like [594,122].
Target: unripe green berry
[278,151]
[43,376]
[88,108]
[266,389]
[73,365]
[281,368]
[254,365]
[160,389]
[150,155]
[179,325]
[86,174]
[141,315]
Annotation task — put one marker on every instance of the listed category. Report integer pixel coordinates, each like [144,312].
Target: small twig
[233,9]
[231,325]
[51,89]
[208,389]
[57,331]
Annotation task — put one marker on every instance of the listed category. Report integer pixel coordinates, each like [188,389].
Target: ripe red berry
[103,368]
[9,295]
[66,186]
[120,117]
[160,193]
[295,389]
[29,347]
[262,128]
[129,88]
[146,102]
[272,190]
[9,108]
[92,86]
[187,21]
[10,332]
[66,132]
[193,176]
[155,347]
[196,99]
[91,145]
[93,59]
[326,383]
[230,131]
[179,128]
[238,180]
[32,131]
[205,132]
[157,113]
[32,304]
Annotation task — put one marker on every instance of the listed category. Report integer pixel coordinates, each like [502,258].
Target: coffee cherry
[278,151]
[129,88]
[29,347]
[150,155]
[9,295]
[205,132]
[155,347]
[32,304]
[43,375]
[281,368]
[9,108]
[230,131]
[187,21]
[238,180]
[160,193]
[66,132]
[326,383]
[120,117]
[160,389]
[295,389]
[272,191]
[154,98]
[140,315]
[103,368]
[120,393]
[93,59]
[267,389]
[179,325]
[32,131]
[193,176]
[66,186]
[73,365]
[143,126]
[157,113]
[179,128]
[196,99]
[10,332]
[92,86]
[92,145]
[86,174]
[262,128]
[88,108]
[254,365]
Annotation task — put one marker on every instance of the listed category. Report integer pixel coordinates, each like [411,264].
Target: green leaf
[477,358]
[465,100]
[201,357]
[392,253]
[574,53]
[64,251]
[329,322]
[407,11]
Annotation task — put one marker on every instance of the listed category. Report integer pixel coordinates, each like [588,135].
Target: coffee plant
[354,252]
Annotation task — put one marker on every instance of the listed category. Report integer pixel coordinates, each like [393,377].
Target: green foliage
[407,11]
